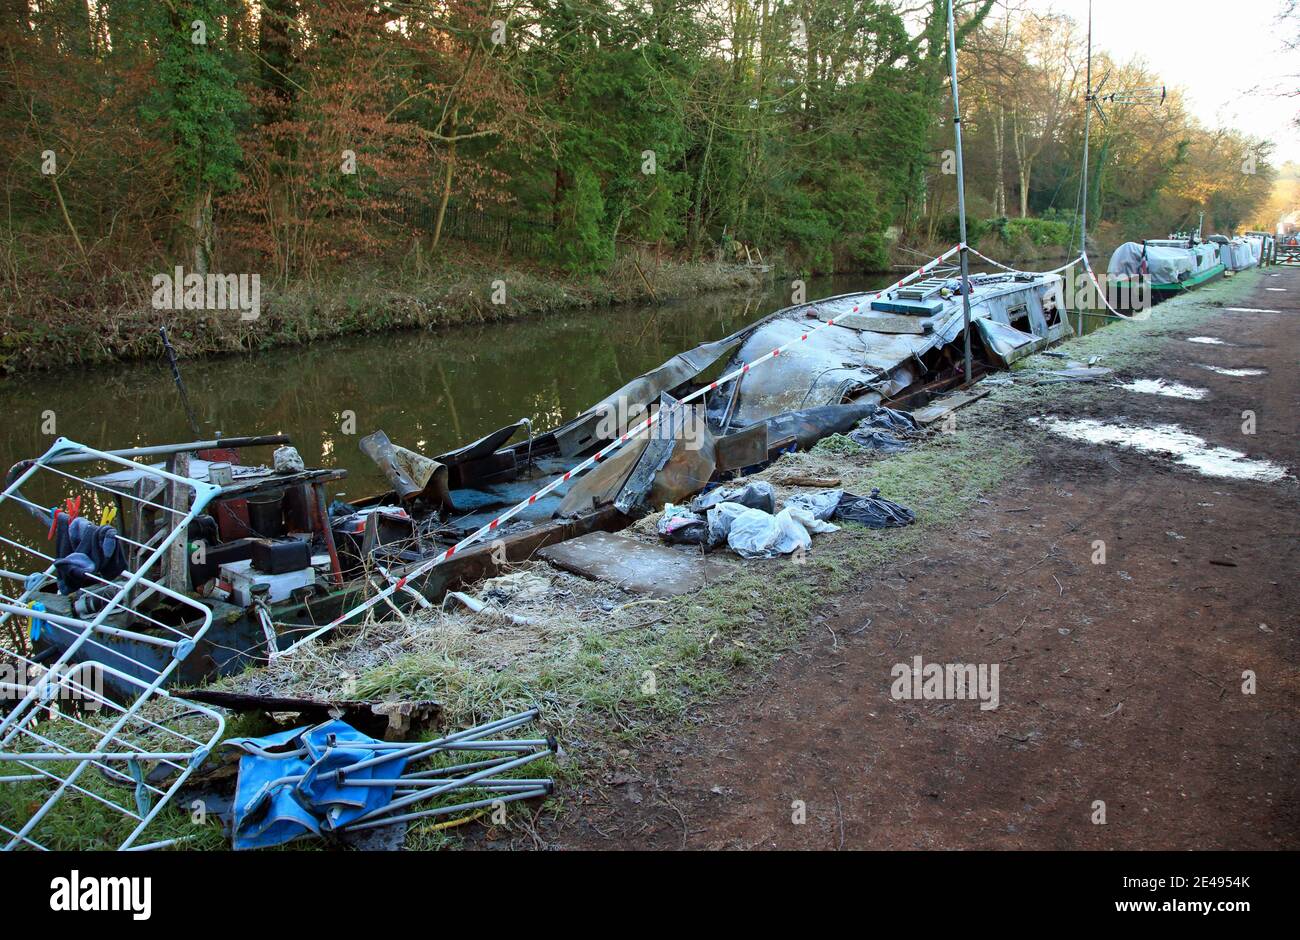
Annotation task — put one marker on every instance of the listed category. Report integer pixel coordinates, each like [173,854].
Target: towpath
[1124,686]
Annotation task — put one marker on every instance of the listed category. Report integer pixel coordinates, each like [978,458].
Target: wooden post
[176,571]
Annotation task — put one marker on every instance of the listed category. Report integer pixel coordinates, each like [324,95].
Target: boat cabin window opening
[1018,316]
[1051,314]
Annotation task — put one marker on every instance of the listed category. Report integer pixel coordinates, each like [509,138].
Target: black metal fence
[503,230]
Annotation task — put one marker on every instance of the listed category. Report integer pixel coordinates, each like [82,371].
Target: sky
[1227,55]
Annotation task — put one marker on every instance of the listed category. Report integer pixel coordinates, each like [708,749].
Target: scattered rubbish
[331,778]
[515,588]
[1238,373]
[1168,389]
[1077,373]
[873,511]
[879,440]
[679,525]
[756,495]
[1251,309]
[942,406]
[412,476]
[1169,440]
[887,430]
[820,505]
[477,606]
[1208,341]
[753,533]
[286,459]
[720,518]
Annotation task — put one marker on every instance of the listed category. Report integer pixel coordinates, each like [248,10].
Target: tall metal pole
[961,185]
[180,383]
[1087,128]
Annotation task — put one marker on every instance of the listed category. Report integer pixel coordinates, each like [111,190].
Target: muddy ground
[1119,682]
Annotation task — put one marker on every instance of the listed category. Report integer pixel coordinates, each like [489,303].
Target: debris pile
[332,779]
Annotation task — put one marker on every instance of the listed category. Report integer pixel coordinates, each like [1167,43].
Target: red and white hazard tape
[999,264]
[591,461]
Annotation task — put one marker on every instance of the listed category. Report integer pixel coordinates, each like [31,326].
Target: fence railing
[503,230]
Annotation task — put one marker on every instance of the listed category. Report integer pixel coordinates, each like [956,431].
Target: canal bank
[117,320]
[113,324]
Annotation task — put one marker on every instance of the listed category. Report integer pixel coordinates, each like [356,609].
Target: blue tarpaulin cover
[287,787]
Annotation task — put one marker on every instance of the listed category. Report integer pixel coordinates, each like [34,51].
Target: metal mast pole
[1087,127]
[961,185]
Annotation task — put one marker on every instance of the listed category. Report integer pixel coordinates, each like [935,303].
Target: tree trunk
[1000,148]
[1026,169]
[201,231]
[1023,162]
[698,202]
[446,182]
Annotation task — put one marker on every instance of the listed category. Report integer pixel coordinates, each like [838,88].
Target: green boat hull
[1191,283]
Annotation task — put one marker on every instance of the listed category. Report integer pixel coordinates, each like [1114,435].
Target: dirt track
[1119,682]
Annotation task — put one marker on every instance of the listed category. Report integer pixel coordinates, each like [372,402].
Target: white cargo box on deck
[243,578]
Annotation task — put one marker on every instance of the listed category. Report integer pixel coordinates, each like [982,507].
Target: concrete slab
[642,567]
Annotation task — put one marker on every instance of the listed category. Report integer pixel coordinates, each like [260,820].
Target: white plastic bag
[720,518]
[809,521]
[821,505]
[756,534]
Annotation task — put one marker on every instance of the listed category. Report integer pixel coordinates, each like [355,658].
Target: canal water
[431,391]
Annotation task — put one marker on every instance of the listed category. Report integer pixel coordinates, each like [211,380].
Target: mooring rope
[1087,266]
